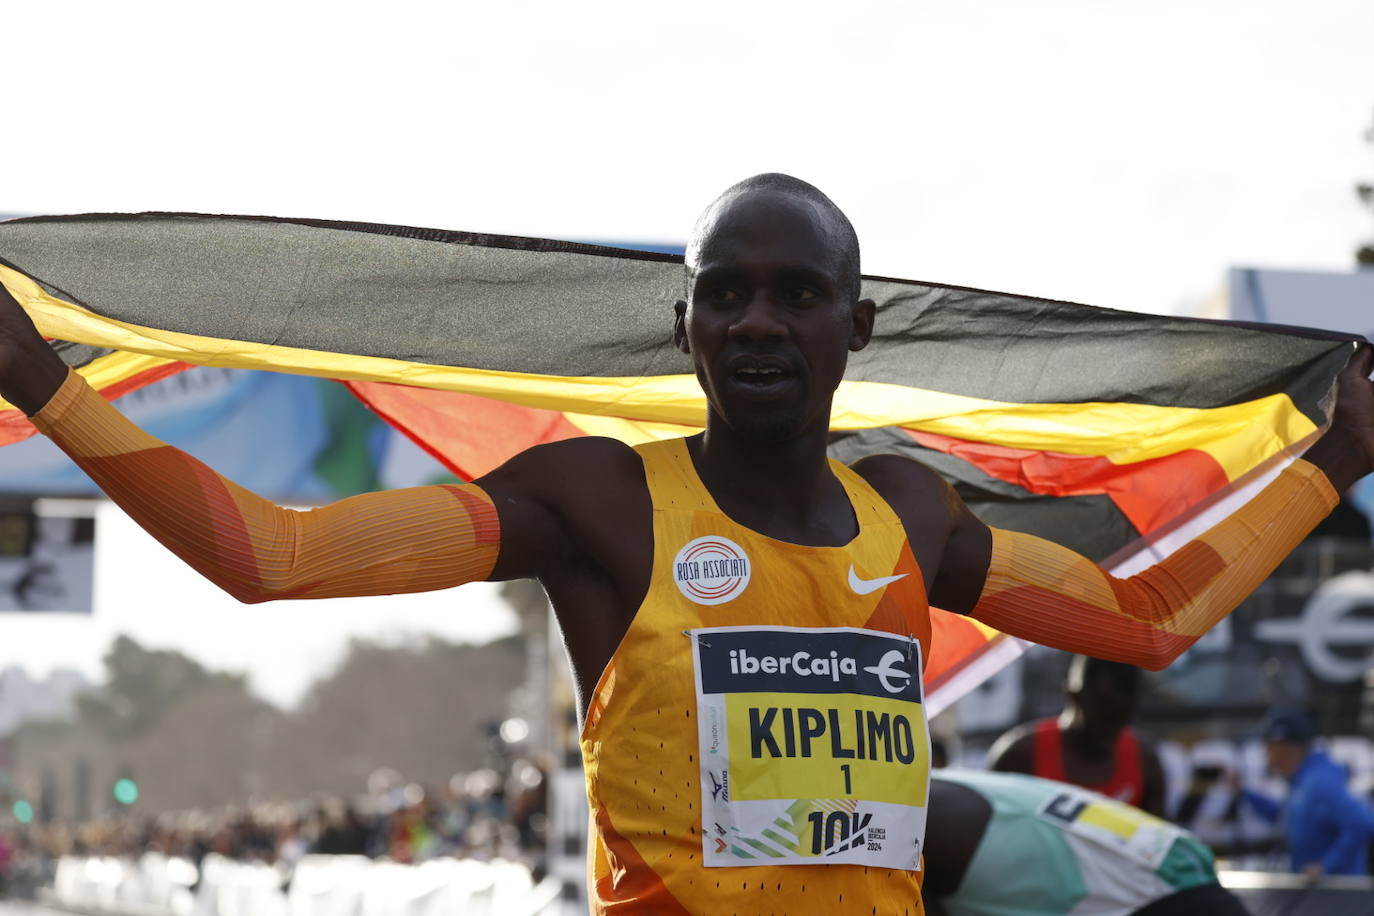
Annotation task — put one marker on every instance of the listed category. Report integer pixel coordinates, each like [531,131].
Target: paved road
[16,908]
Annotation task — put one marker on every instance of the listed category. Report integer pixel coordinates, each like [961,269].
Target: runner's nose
[759,319]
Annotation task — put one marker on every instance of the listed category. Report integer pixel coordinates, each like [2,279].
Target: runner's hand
[1346,452]
[30,372]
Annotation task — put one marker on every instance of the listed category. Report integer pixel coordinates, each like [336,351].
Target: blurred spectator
[341,831]
[469,817]
[6,857]
[1328,828]
[291,842]
[529,793]
[939,754]
[1091,743]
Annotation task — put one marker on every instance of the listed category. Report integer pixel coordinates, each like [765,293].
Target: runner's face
[1107,707]
[768,320]
[1285,757]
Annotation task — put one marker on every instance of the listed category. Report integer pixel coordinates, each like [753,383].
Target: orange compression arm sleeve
[384,543]
[1048,594]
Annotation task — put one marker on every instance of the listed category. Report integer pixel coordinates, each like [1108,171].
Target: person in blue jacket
[1328,828]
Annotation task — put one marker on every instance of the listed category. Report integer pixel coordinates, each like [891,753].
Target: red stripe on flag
[1149,493]
[136,381]
[469,435]
[955,641]
[14,427]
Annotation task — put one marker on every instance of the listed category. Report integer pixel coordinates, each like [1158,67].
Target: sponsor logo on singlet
[711,570]
[802,663]
[868,586]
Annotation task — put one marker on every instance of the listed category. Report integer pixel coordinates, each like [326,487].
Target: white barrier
[230,888]
[328,885]
[319,886]
[350,886]
[168,883]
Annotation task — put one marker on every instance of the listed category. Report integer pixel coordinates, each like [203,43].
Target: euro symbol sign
[887,671]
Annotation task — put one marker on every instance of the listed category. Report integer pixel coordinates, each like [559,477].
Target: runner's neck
[785,491]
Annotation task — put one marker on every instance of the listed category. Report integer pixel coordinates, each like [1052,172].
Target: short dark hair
[1085,669]
[847,240]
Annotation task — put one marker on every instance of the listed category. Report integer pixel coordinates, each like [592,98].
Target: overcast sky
[1121,154]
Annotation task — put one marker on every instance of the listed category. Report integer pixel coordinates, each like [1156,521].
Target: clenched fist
[1346,452]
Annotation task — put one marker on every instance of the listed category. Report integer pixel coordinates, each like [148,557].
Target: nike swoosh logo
[864,586]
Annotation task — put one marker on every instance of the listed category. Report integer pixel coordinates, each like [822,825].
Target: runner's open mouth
[761,375]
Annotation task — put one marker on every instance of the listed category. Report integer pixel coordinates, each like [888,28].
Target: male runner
[745,619]
[1091,743]
[1015,845]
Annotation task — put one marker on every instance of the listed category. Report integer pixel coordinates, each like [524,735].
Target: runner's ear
[861,326]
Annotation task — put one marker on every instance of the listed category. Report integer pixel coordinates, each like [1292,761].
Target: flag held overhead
[1091,427]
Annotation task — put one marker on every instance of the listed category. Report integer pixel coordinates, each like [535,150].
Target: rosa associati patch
[813,746]
[711,570]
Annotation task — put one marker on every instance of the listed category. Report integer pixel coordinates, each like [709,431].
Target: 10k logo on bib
[711,570]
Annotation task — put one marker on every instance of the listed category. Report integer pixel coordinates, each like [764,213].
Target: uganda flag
[1099,429]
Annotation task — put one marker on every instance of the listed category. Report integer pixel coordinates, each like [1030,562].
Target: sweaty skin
[769,321]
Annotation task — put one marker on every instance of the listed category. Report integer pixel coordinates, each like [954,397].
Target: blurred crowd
[1323,825]
[484,814]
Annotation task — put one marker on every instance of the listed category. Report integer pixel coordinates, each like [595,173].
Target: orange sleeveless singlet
[641,745]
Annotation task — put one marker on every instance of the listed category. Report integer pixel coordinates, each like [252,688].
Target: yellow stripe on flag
[110,369]
[1238,437]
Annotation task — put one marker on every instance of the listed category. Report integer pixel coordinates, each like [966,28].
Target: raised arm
[1040,591]
[408,540]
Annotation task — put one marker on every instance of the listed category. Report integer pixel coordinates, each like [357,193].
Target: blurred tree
[141,685]
[212,747]
[420,708]
[1364,256]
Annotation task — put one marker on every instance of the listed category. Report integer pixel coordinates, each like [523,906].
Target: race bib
[813,747]
[1128,831]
